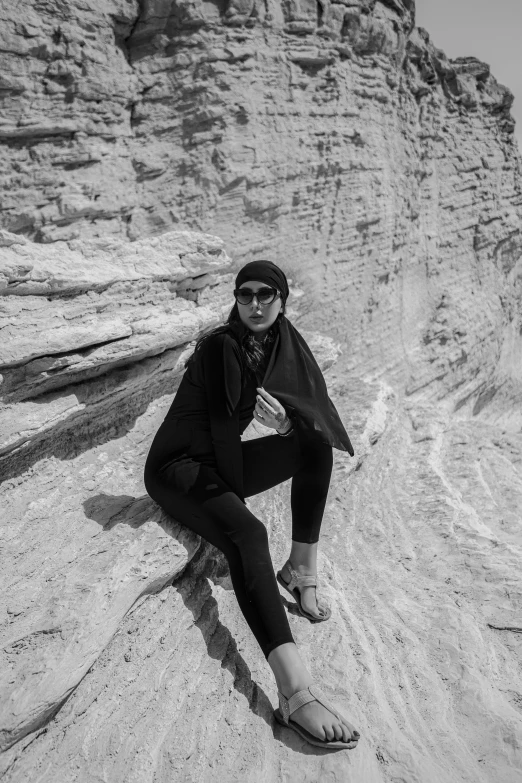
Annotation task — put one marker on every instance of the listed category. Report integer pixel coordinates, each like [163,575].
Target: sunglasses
[265,296]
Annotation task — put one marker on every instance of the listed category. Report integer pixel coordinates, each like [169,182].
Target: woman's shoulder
[222,344]
[221,339]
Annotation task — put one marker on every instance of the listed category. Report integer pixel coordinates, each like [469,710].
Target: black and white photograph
[260,391]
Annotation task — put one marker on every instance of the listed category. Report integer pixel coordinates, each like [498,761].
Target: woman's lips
[256,317]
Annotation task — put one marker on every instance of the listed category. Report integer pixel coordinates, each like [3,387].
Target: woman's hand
[270,412]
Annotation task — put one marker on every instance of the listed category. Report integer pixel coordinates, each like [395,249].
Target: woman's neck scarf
[292,375]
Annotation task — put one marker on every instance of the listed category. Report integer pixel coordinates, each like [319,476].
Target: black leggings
[195,495]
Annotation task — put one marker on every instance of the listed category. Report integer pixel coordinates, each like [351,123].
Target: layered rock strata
[419,560]
[331,136]
[91,334]
[78,320]
[336,139]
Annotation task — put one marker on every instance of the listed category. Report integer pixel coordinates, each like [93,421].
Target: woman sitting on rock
[200,472]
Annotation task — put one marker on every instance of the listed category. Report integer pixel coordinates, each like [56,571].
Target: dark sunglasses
[265,296]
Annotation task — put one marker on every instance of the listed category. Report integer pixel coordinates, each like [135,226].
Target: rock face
[331,136]
[78,318]
[337,140]
[92,334]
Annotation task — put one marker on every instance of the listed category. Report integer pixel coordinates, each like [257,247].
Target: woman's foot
[292,676]
[322,723]
[308,595]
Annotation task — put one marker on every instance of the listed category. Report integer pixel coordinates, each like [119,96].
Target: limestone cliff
[334,138]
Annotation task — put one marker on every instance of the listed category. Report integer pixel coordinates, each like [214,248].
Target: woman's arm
[222,371]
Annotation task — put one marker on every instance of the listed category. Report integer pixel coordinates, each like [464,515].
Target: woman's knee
[255,557]
[318,456]
[247,553]
[254,535]
[253,549]
[322,450]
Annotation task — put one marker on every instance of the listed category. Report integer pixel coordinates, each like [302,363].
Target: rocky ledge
[124,654]
[89,330]
[92,334]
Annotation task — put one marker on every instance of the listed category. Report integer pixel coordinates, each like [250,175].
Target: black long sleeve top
[215,405]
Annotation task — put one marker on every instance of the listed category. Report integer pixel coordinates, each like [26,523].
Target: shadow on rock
[116,405]
[111,510]
[196,594]
[290,608]
[192,585]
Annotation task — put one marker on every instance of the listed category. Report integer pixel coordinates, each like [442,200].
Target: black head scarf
[293,375]
[266,272]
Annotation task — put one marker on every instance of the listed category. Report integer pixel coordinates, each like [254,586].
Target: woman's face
[259,318]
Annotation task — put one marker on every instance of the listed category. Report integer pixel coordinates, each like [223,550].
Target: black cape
[294,378]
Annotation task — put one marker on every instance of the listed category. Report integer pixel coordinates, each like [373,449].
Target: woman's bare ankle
[289,670]
[294,684]
[303,558]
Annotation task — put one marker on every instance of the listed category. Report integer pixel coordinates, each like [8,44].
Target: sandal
[312,693]
[294,588]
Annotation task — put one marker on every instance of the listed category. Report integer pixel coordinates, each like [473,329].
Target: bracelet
[286,434]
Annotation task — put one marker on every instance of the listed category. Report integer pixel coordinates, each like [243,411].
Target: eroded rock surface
[336,139]
[82,414]
[77,317]
[90,333]
[420,557]
[331,136]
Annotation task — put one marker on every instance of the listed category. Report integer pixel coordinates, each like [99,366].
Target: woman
[200,472]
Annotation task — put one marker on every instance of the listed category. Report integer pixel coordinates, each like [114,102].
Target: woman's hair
[251,349]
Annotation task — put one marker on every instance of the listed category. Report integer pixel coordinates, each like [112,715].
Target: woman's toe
[322,605]
[352,731]
[317,609]
[329,733]
[347,734]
